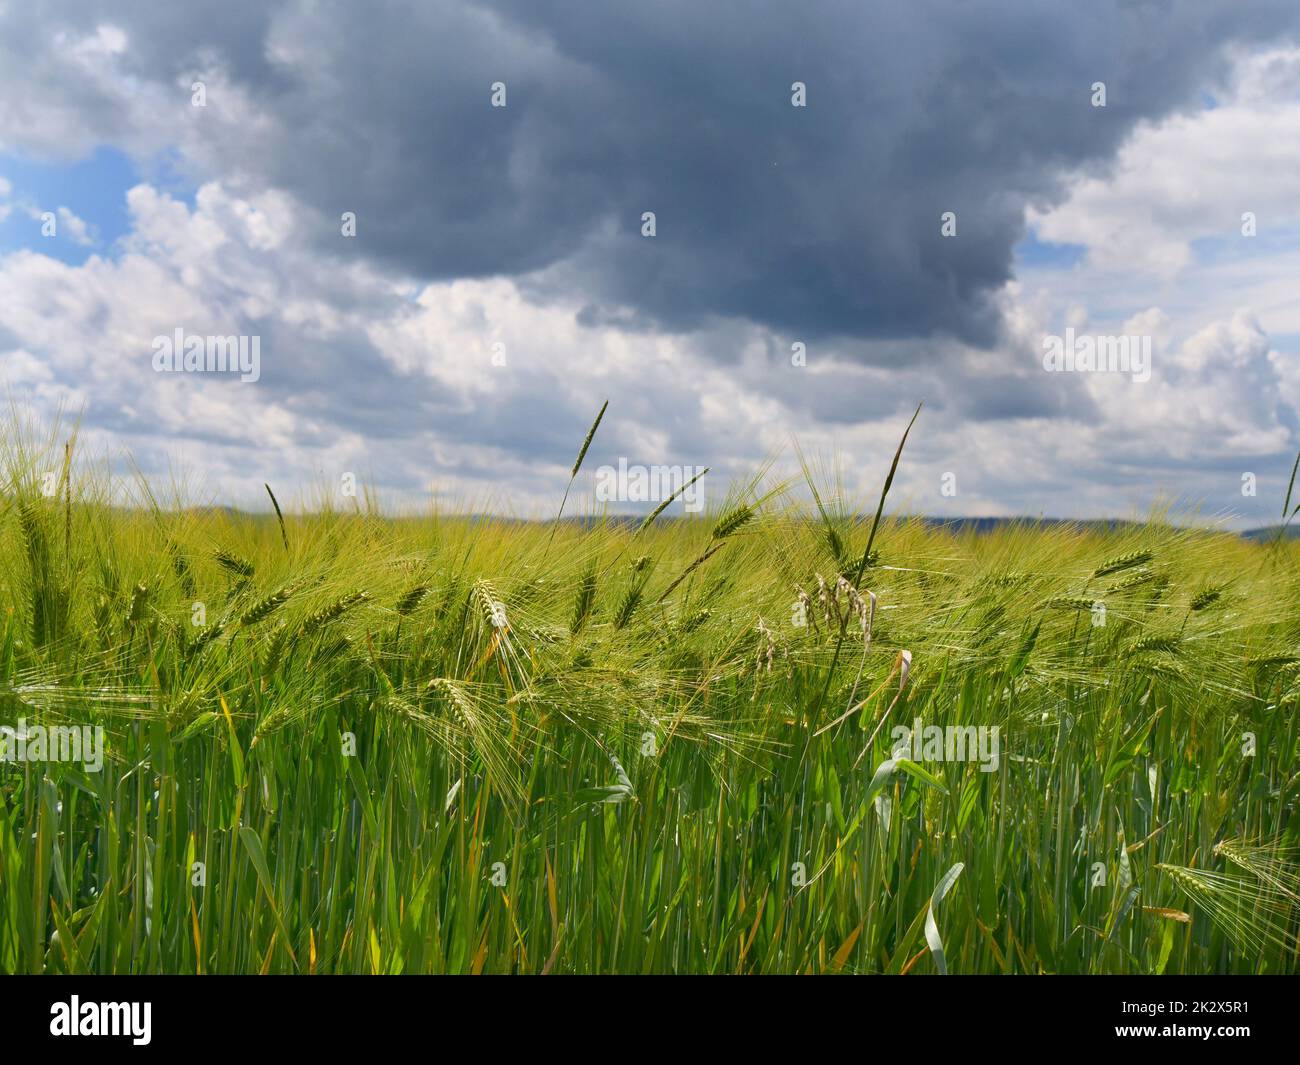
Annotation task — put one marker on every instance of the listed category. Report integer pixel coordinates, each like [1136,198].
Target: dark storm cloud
[814,221]
[984,397]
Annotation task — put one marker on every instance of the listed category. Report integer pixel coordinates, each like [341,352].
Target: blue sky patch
[1034,254]
[94,189]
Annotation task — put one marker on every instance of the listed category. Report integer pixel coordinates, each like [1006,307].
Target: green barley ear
[865,562]
[233,564]
[205,636]
[586,443]
[627,604]
[273,721]
[332,612]
[262,609]
[650,520]
[181,567]
[452,596]
[67,498]
[1271,862]
[1251,913]
[275,649]
[693,621]
[456,699]
[1123,562]
[631,598]
[1133,580]
[1290,486]
[577,464]
[411,599]
[46,598]
[330,652]
[584,601]
[1273,660]
[1070,602]
[734,519]
[104,628]
[1168,644]
[279,516]
[139,604]
[833,539]
[1010,579]
[1206,598]
[691,569]
[476,729]
[1169,669]
[485,595]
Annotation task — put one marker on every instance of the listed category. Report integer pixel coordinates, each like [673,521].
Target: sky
[757,229]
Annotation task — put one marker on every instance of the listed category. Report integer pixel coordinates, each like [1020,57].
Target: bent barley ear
[139,605]
[1071,602]
[205,636]
[239,567]
[1168,644]
[631,597]
[264,608]
[1205,598]
[731,521]
[411,599]
[584,601]
[650,519]
[334,611]
[284,535]
[1123,562]
[1253,913]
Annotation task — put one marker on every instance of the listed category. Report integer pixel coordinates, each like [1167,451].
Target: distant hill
[1269,532]
[986,525]
[956,525]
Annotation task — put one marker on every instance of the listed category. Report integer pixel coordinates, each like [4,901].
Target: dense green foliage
[440,744]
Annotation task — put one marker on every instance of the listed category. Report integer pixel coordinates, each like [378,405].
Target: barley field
[336,741]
